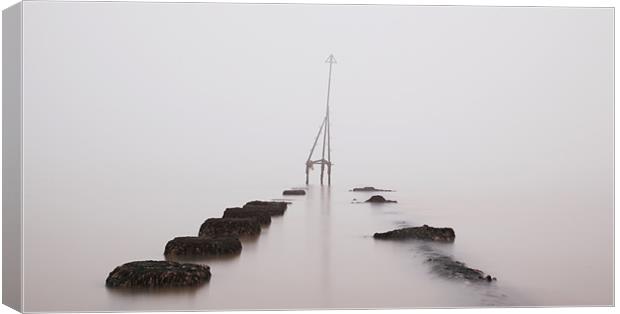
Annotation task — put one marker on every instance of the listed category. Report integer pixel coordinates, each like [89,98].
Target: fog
[497,120]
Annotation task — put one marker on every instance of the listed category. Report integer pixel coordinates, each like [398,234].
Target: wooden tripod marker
[324,129]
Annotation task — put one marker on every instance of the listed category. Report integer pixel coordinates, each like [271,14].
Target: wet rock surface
[419,233]
[157,274]
[272,208]
[263,217]
[369,189]
[378,199]
[235,227]
[294,192]
[201,246]
[274,204]
[449,268]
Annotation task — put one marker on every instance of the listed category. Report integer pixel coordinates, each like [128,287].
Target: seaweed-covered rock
[219,227]
[272,208]
[201,246]
[157,274]
[294,192]
[263,217]
[378,199]
[447,267]
[369,189]
[274,204]
[420,233]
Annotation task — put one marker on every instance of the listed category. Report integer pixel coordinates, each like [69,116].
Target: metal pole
[331,60]
[309,160]
[316,139]
[329,153]
[323,154]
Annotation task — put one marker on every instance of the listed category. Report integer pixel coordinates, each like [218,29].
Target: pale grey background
[12,157]
[132,110]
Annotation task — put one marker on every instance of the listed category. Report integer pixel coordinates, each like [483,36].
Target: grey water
[321,254]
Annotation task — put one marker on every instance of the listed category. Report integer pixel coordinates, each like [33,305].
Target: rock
[447,267]
[263,217]
[378,199]
[157,274]
[201,246]
[294,192]
[271,211]
[218,227]
[274,204]
[369,189]
[420,233]
[272,208]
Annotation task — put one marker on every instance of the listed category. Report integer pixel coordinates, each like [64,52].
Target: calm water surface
[321,254]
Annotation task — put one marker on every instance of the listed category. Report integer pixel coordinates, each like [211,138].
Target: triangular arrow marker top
[331,59]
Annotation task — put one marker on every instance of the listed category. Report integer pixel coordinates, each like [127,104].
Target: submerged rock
[294,192]
[219,227]
[369,189]
[447,267]
[272,208]
[263,217]
[157,274]
[419,233]
[201,246]
[378,199]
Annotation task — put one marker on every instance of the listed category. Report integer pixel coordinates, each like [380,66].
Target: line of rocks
[369,189]
[443,265]
[375,199]
[216,237]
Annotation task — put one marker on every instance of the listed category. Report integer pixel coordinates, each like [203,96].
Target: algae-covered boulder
[449,268]
[202,246]
[274,204]
[272,208]
[157,274]
[263,217]
[369,189]
[294,192]
[378,199]
[221,227]
[419,233]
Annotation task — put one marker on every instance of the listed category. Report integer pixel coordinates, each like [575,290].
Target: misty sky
[434,92]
